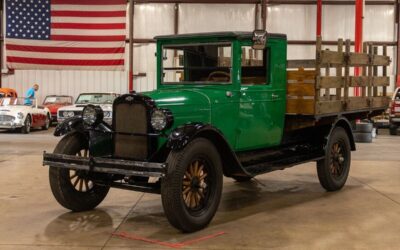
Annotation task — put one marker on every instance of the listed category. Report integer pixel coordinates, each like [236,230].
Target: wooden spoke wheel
[195,188]
[74,189]
[334,169]
[191,189]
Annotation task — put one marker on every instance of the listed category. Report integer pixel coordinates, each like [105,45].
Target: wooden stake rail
[315,91]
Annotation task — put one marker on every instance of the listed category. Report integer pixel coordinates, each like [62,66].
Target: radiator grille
[130,118]
[6,118]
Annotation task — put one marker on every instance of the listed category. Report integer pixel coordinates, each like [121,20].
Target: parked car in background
[394,117]
[14,114]
[104,100]
[54,102]
[7,92]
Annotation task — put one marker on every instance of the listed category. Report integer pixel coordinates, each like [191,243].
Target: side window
[254,66]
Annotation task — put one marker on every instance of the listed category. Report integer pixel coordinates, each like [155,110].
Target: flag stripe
[57,19]
[88,13]
[97,26]
[89,2]
[65,56]
[66,43]
[28,60]
[88,38]
[78,7]
[88,32]
[64,67]
[48,49]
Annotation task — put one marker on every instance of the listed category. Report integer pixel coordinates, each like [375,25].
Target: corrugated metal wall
[297,21]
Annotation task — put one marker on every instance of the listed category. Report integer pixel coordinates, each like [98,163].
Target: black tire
[47,123]
[26,129]
[205,187]
[67,193]
[393,129]
[364,127]
[242,178]
[363,137]
[334,169]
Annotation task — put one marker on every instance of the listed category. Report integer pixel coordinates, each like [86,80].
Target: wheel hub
[194,186]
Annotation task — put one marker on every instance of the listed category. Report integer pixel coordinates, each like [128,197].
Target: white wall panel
[153,19]
[195,18]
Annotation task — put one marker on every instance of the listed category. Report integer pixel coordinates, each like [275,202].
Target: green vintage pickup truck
[226,104]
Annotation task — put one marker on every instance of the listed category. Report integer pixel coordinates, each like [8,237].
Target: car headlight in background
[68,114]
[107,114]
[92,115]
[161,119]
[20,115]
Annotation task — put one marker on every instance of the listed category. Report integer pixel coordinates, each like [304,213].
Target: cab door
[262,97]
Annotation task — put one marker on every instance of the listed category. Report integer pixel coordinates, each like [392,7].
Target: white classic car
[23,113]
[104,100]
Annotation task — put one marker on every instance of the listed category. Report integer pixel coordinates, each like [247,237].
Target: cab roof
[240,35]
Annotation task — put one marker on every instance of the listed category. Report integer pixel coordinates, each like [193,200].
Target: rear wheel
[334,169]
[74,189]
[393,129]
[26,129]
[191,190]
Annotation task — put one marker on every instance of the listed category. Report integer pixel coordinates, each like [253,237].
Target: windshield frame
[19,99]
[187,83]
[69,98]
[87,94]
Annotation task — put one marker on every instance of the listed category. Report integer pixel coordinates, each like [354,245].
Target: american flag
[65,34]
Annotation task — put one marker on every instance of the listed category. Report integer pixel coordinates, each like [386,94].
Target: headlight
[161,119]
[92,115]
[68,114]
[107,114]
[20,115]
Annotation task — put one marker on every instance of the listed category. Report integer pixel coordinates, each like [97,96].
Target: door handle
[274,96]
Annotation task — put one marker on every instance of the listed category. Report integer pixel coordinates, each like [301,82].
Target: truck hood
[185,104]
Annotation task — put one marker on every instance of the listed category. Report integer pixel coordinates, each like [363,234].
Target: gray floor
[285,209]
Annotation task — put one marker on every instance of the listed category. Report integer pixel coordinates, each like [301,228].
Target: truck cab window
[254,66]
[197,63]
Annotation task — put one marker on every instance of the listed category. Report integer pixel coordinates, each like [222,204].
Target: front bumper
[105,165]
[10,125]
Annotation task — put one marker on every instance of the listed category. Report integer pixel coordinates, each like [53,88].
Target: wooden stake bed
[313,90]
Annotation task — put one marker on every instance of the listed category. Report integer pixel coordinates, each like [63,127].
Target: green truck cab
[220,109]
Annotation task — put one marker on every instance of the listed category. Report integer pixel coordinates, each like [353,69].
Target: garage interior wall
[297,21]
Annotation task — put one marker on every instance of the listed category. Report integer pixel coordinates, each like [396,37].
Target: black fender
[183,135]
[69,125]
[346,125]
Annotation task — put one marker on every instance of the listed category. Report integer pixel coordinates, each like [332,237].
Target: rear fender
[182,136]
[346,125]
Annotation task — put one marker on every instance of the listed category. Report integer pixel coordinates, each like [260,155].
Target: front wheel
[74,189]
[191,190]
[334,169]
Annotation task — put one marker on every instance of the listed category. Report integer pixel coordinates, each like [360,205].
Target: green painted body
[252,117]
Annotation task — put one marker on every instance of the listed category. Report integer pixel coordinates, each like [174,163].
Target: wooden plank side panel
[358,81]
[380,81]
[331,57]
[330,82]
[381,60]
[301,64]
[358,59]
[380,102]
[327,107]
[300,89]
[301,75]
[300,106]
[355,103]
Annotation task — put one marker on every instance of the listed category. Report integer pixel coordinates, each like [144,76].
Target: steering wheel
[220,73]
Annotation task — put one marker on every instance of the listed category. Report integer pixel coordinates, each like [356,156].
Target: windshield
[19,101]
[57,100]
[96,98]
[197,63]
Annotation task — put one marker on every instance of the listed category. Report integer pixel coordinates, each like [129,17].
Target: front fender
[182,136]
[69,125]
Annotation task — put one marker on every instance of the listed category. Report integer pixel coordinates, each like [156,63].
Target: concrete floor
[285,209]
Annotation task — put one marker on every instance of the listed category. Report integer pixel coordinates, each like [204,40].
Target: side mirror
[260,38]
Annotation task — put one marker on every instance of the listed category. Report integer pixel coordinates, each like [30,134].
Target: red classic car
[54,102]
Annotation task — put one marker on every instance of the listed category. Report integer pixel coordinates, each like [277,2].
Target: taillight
[395,107]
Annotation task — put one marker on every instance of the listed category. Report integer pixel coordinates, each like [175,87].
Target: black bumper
[105,165]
